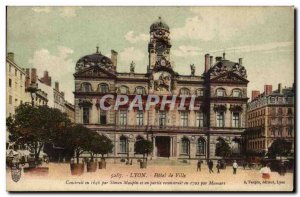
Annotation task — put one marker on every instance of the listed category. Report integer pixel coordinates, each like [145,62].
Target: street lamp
[33,88]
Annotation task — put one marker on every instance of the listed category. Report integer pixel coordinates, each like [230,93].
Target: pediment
[95,72]
[229,77]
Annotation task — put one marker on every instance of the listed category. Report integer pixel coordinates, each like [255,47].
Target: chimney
[224,56]
[11,56]
[27,78]
[63,94]
[114,58]
[56,85]
[33,75]
[255,93]
[211,61]
[206,57]
[46,79]
[218,59]
[280,88]
[268,89]
[241,61]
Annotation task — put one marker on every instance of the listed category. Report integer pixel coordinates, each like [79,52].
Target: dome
[159,24]
[96,59]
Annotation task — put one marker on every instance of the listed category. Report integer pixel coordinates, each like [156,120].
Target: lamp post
[32,89]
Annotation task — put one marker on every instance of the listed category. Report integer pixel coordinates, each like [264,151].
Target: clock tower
[159,45]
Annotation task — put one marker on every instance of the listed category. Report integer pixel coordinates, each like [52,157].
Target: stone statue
[192,69]
[132,66]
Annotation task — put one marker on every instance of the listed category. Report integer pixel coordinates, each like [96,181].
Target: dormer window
[124,90]
[220,92]
[103,88]
[140,90]
[237,93]
[86,87]
[199,92]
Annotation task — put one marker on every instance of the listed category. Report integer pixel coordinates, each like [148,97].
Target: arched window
[138,138]
[123,144]
[86,87]
[185,146]
[140,90]
[199,92]
[201,147]
[220,92]
[124,90]
[184,91]
[103,87]
[237,93]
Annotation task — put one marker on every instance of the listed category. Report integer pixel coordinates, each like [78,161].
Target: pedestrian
[235,166]
[210,166]
[282,169]
[218,166]
[199,165]
[244,164]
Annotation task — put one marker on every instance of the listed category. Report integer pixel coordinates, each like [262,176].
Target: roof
[93,60]
[159,24]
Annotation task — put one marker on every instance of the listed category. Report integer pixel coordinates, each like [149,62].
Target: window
[220,119]
[124,90]
[9,82]
[162,118]
[102,119]
[185,146]
[290,131]
[103,87]
[220,92]
[16,72]
[201,146]
[279,110]
[86,115]
[140,117]
[123,144]
[184,91]
[280,121]
[184,119]
[280,131]
[123,117]
[10,99]
[86,87]
[237,93]
[199,92]
[199,119]
[290,121]
[290,111]
[236,119]
[9,68]
[140,90]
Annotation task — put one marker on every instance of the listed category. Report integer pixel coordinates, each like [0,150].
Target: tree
[34,126]
[280,147]
[78,139]
[143,147]
[223,149]
[100,144]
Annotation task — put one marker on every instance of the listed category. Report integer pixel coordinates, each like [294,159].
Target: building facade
[221,94]
[15,85]
[270,116]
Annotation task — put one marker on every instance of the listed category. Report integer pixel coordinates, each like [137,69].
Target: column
[154,148]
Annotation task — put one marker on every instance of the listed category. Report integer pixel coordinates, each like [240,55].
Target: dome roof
[159,24]
[96,59]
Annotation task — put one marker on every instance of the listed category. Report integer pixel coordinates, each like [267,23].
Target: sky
[54,38]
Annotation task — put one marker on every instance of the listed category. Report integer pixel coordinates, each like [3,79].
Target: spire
[97,49]
[224,55]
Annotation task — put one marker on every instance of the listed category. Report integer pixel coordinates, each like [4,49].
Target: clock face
[159,33]
[160,47]
[163,62]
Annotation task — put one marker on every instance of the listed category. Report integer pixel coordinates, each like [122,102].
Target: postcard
[144,99]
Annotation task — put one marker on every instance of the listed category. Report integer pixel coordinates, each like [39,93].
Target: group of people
[210,164]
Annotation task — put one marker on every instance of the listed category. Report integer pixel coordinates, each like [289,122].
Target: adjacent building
[15,85]
[221,94]
[270,116]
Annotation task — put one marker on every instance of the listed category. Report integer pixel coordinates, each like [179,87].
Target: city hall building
[221,95]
